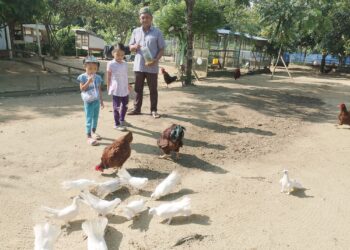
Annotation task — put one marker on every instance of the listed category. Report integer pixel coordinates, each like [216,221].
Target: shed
[235,48]
[88,40]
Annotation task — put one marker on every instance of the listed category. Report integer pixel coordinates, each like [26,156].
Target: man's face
[146,20]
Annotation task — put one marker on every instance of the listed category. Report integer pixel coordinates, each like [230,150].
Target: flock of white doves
[46,234]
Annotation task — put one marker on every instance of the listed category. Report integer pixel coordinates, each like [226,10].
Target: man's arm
[159,55]
[132,44]
[161,46]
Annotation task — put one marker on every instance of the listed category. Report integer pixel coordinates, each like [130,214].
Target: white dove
[166,186]
[81,184]
[66,214]
[102,207]
[45,236]
[107,187]
[289,185]
[95,230]
[134,208]
[135,182]
[169,210]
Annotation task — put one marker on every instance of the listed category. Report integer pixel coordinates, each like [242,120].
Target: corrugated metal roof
[229,32]
[85,31]
[33,26]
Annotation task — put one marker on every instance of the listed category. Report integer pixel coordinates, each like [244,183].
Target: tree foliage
[19,11]
[311,25]
[171,19]
[116,20]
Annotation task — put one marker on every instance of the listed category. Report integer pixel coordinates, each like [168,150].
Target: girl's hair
[117,47]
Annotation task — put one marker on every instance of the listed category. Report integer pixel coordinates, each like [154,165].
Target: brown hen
[116,154]
[344,116]
[171,140]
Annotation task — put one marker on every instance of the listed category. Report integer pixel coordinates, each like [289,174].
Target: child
[118,86]
[90,86]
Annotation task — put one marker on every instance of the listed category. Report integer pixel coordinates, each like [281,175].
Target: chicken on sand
[134,208]
[116,154]
[168,210]
[167,78]
[166,186]
[132,181]
[45,236]
[80,184]
[171,140]
[105,188]
[66,214]
[344,116]
[95,231]
[289,185]
[102,207]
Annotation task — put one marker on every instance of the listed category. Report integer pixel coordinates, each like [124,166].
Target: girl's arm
[101,100]
[109,76]
[84,86]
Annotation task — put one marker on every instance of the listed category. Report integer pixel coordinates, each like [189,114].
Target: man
[152,38]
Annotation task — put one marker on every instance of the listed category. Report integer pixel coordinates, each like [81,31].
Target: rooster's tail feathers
[95,227]
[45,234]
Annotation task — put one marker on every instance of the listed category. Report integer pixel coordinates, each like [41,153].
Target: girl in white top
[118,86]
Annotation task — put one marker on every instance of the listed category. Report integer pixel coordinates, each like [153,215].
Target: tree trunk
[189,14]
[340,63]
[323,62]
[11,25]
[48,36]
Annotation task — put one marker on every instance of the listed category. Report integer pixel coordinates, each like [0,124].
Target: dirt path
[240,135]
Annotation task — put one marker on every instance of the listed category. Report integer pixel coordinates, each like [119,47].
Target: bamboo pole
[274,68]
[290,75]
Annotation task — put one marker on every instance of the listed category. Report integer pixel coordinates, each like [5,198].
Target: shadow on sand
[300,193]
[113,238]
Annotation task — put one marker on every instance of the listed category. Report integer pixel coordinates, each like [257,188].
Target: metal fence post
[43,63]
[69,74]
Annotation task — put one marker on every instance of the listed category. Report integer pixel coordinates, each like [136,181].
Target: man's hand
[135,47]
[151,63]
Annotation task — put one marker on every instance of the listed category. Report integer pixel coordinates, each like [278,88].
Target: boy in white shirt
[118,86]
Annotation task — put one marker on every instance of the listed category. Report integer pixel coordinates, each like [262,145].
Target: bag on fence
[90,95]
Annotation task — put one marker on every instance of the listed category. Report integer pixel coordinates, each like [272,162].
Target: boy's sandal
[155,115]
[96,136]
[92,142]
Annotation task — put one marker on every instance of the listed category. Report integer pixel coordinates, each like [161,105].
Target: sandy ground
[240,136]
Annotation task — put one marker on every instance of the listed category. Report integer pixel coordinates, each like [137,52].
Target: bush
[66,37]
